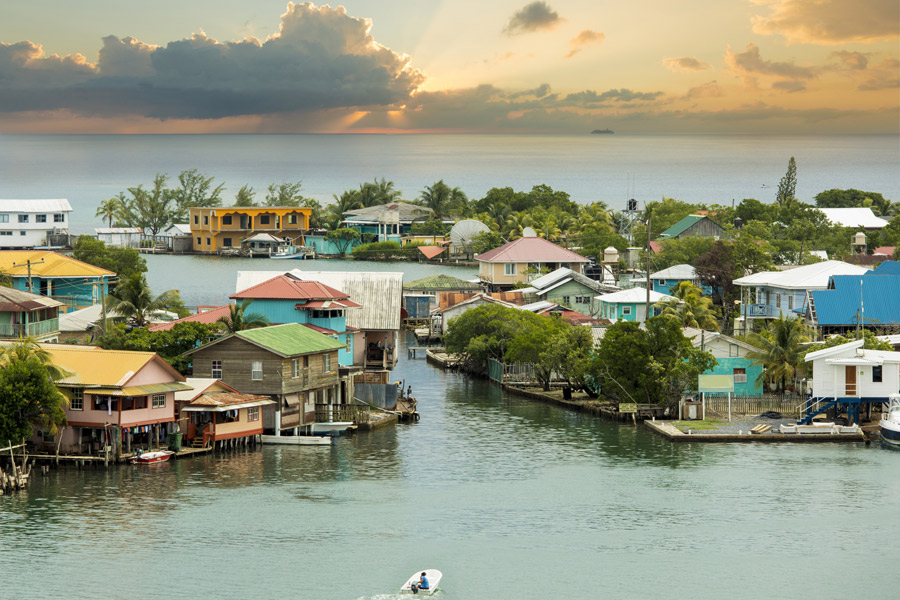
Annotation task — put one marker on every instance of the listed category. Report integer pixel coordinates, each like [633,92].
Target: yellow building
[215,228]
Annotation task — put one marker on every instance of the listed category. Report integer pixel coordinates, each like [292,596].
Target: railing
[330,413]
[760,310]
[31,329]
[742,404]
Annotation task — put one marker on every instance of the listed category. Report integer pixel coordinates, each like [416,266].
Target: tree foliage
[134,301]
[170,344]
[343,238]
[689,307]
[781,351]
[284,194]
[238,319]
[124,262]
[787,187]
[28,393]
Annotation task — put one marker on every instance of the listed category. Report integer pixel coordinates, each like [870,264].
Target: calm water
[700,168]
[486,487]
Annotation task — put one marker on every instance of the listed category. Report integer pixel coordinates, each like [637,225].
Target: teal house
[570,289]
[667,280]
[387,222]
[629,305]
[74,283]
[731,359]
[328,247]
[289,299]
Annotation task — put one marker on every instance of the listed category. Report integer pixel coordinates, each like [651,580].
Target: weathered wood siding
[704,228]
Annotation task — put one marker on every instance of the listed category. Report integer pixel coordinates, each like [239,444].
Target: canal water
[508,497]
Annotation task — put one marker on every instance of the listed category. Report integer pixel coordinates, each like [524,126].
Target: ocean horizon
[695,168]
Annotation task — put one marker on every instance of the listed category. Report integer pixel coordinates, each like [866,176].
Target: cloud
[706,90]
[750,65]
[884,76]
[321,58]
[532,17]
[685,63]
[855,61]
[584,38]
[539,92]
[830,21]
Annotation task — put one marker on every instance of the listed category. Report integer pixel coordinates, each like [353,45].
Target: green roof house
[694,225]
[292,364]
[420,297]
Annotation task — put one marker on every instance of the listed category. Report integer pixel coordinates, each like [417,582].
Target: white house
[629,305]
[851,375]
[122,237]
[860,217]
[29,223]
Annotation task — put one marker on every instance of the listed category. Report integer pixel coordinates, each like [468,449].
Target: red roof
[885,250]
[431,251]
[328,304]
[209,317]
[322,330]
[656,247]
[531,249]
[288,287]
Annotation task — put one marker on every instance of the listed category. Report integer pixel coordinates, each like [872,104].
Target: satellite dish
[529,232]
[462,233]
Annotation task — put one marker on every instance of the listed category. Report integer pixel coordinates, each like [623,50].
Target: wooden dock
[439,357]
[672,433]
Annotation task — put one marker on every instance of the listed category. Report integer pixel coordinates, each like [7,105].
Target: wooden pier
[18,476]
[672,433]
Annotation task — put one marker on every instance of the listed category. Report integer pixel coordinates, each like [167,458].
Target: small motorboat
[411,586]
[151,457]
[289,252]
[890,422]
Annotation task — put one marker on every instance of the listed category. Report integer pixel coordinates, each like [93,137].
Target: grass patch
[705,425]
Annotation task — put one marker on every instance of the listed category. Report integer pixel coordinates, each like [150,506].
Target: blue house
[289,299]
[770,294]
[667,280]
[731,359]
[871,300]
[629,305]
[74,283]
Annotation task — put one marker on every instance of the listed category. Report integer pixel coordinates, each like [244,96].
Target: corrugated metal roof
[199,386]
[91,366]
[12,300]
[223,401]
[877,298]
[407,212]
[290,287]
[676,272]
[854,217]
[290,339]
[35,206]
[53,265]
[888,267]
[636,294]
[807,277]
[115,230]
[681,226]
[531,249]
[208,316]
[440,282]
[379,294]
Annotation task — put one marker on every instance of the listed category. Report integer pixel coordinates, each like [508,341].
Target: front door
[850,379]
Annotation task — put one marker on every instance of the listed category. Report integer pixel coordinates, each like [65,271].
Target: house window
[509,269]
[196,220]
[326,363]
[733,350]
[5,232]
[791,302]
[264,220]
[253,413]
[40,218]
[159,400]
[226,242]
[626,311]
[206,219]
[4,218]
[662,282]
[292,219]
[349,348]
[216,369]
[226,220]
[22,232]
[77,401]
[876,374]
[23,218]
[208,242]
[256,370]
[565,300]
[295,368]
[199,241]
[59,218]
[740,375]
[777,300]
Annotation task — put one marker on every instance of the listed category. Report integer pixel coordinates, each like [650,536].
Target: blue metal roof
[888,267]
[878,295]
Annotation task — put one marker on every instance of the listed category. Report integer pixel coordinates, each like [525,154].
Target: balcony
[761,310]
[334,413]
[39,329]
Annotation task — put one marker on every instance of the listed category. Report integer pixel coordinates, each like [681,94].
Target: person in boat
[422,584]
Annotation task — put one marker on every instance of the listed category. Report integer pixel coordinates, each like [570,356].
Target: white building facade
[30,223]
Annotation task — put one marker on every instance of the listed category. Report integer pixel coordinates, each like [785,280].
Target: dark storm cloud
[532,17]
[321,58]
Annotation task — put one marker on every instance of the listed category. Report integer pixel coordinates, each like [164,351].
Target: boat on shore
[603,131]
[889,426]
[145,458]
[433,576]
[298,440]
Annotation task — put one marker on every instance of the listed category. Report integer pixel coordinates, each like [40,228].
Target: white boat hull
[890,431]
[434,579]
[334,427]
[298,440]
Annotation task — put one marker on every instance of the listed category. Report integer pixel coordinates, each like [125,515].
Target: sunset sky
[560,66]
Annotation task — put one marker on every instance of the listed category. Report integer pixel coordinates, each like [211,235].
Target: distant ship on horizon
[603,131]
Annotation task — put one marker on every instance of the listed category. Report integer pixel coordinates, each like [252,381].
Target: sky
[386,66]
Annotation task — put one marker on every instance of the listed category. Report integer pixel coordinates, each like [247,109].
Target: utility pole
[28,263]
[649,222]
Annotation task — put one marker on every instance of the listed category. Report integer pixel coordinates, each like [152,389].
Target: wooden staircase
[197,442]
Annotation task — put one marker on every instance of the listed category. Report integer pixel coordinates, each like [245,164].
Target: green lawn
[703,425]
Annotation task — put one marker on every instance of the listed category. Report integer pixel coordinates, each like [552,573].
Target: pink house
[524,259]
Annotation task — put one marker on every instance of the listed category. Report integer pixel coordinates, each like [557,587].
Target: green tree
[170,344]
[195,189]
[787,187]
[429,227]
[851,198]
[343,238]
[125,262]
[28,391]
[377,193]
[682,251]
[284,194]
[486,240]
[689,307]
[151,210]
[751,209]
[717,270]
[443,199]
[665,214]
[135,302]
[781,351]
[239,319]
[245,196]
[483,332]
[110,210]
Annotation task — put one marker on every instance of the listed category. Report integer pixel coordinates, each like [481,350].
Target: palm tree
[780,351]
[443,199]
[110,209]
[238,319]
[689,307]
[133,301]
[515,224]
[47,410]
